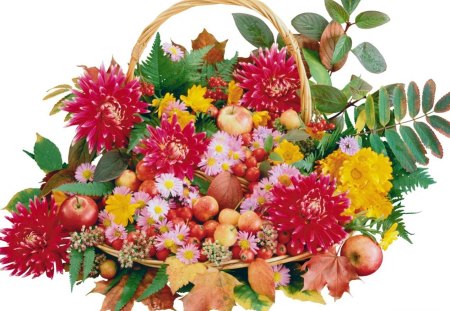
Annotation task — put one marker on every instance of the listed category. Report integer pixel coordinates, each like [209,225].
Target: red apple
[290,119]
[249,221]
[78,211]
[236,251]
[364,254]
[145,171]
[128,179]
[226,234]
[247,256]
[149,186]
[205,208]
[108,269]
[235,120]
[229,216]
[265,253]
[210,227]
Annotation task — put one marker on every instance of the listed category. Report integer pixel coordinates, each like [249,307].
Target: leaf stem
[347,26]
[393,125]
[350,104]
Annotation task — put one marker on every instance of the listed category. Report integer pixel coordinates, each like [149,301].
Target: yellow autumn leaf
[306,295]
[360,121]
[59,197]
[181,274]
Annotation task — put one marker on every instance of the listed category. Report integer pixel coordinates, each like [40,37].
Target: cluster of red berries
[216,86]
[147,88]
[321,126]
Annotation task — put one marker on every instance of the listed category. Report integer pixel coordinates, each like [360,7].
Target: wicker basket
[305,97]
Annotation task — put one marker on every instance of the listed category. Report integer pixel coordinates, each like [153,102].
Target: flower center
[87,174]
[158,209]
[117,234]
[150,221]
[285,180]
[176,151]
[226,166]
[111,110]
[32,240]
[173,50]
[188,254]
[211,162]
[163,229]
[356,174]
[277,277]
[169,243]
[219,148]
[180,236]
[277,87]
[244,244]
[169,184]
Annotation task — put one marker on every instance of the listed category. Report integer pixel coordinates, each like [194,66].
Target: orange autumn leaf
[261,278]
[213,290]
[329,269]
[330,37]
[234,93]
[217,53]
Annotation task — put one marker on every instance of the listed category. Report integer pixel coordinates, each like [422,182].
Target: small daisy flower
[249,204]
[122,190]
[261,196]
[281,275]
[85,172]
[247,240]
[283,174]
[261,133]
[164,225]
[191,195]
[106,219]
[265,184]
[115,232]
[158,207]
[349,145]
[167,184]
[188,254]
[141,198]
[222,136]
[175,105]
[166,240]
[226,165]
[145,219]
[181,232]
[276,138]
[209,164]
[256,144]
[218,148]
[173,51]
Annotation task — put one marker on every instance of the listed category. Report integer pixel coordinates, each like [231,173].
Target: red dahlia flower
[310,210]
[106,108]
[271,81]
[173,150]
[36,242]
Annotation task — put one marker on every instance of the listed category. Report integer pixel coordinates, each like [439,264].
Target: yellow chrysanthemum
[332,164]
[162,103]
[234,93]
[121,207]
[183,117]
[260,118]
[196,99]
[355,173]
[289,152]
[389,237]
[378,206]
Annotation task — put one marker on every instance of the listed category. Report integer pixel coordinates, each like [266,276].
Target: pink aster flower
[281,275]
[261,133]
[349,145]
[210,164]
[247,240]
[283,174]
[169,185]
[145,219]
[164,225]
[85,172]
[181,232]
[166,240]
[141,198]
[175,105]
[222,136]
[106,219]
[115,232]
[158,207]
[175,53]
[124,190]
[188,254]
[218,148]
[266,184]
[249,204]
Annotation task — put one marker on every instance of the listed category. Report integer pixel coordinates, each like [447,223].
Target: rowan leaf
[331,270]
[429,139]
[360,121]
[414,144]
[370,112]
[440,124]
[384,107]
[413,100]
[428,94]
[400,150]
[399,103]
[443,104]
[261,278]
[180,274]
[247,298]
[377,144]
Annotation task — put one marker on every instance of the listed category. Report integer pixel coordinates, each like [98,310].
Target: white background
[41,42]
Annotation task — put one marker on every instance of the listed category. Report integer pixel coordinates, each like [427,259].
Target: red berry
[117,244]
[212,111]
[198,231]
[294,248]
[185,213]
[171,214]
[247,256]
[260,154]
[251,186]
[239,169]
[162,254]
[251,162]
[152,251]
[132,236]
[246,139]
[194,240]
[236,251]
[284,237]
[265,253]
[252,174]
[148,89]
[151,231]
[281,250]
[178,221]
[203,257]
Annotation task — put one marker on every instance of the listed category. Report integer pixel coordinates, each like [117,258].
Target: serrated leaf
[371,19]
[111,165]
[316,68]
[115,280]
[328,99]
[91,189]
[157,284]
[369,56]
[130,288]
[343,46]
[410,181]
[443,104]
[76,259]
[377,144]
[268,144]
[428,94]
[88,262]
[370,112]
[79,154]
[47,155]
[23,197]
[336,11]
[399,103]
[350,5]
[311,25]
[384,107]
[429,139]
[414,144]
[440,124]
[400,150]
[254,30]
[360,121]
[205,123]
[248,299]
[152,62]
[413,100]
[138,133]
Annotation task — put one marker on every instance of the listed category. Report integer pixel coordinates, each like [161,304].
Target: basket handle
[256,5]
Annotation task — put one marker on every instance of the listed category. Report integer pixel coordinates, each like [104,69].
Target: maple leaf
[329,269]
[213,290]
[217,53]
[261,278]
[180,274]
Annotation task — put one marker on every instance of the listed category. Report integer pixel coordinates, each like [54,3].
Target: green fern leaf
[76,258]
[205,124]
[226,68]
[397,217]
[158,283]
[88,263]
[130,288]
[408,182]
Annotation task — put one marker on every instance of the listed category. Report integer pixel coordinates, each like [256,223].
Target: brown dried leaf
[217,53]
[307,43]
[226,189]
[330,37]
[261,278]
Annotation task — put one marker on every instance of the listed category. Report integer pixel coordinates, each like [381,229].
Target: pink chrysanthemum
[188,254]
[115,232]
[164,225]
[271,81]
[247,240]
[124,190]
[171,149]
[169,185]
[36,243]
[158,207]
[145,219]
[210,164]
[175,53]
[141,198]
[311,210]
[85,172]
[166,240]
[181,232]
[249,204]
[281,275]
[105,218]
[106,108]
[283,174]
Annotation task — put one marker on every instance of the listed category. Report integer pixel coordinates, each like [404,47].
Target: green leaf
[226,68]
[47,155]
[248,299]
[79,154]
[328,99]
[30,154]
[399,103]
[428,93]
[371,19]
[275,157]
[396,216]
[440,124]
[369,56]
[264,168]
[202,184]
[111,165]
[336,11]
[384,107]
[138,133]
[268,144]
[429,139]
[151,66]
[408,182]
[158,283]
[88,263]
[205,123]
[280,41]
[254,30]
[23,197]
[317,69]
[115,280]
[62,177]
[413,100]
[130,288]
[443,104]
[294,289]
[377,144]
[91,189]
[357,88]
[343,46]
[400,150]
[370,112]
[311,25]
[296,135]
[350,5]
[76,258]
[414,144]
